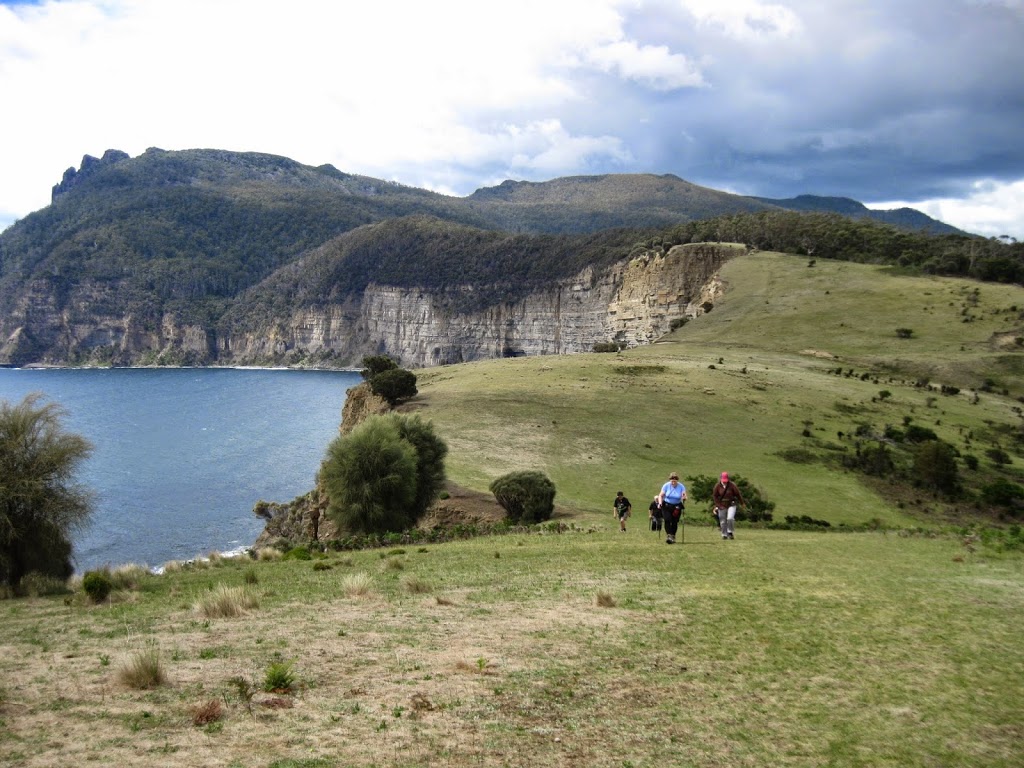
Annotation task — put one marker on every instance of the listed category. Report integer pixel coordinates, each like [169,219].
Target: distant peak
[89,166]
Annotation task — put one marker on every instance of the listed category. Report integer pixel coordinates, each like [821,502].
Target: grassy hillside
[573,644]
[736,388]
[586,648]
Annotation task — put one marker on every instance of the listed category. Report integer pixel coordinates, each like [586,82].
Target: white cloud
[650,64]
[745,19]
[991,208]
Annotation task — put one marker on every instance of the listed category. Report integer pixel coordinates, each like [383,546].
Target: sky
[890,102]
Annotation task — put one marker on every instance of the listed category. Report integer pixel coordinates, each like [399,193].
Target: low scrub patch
[143,671]
[225,602]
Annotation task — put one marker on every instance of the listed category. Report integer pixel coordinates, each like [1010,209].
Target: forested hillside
[213,240]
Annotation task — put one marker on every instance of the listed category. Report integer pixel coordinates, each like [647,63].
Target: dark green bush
[374,364]
[606,346]
[298,553]
[1003,493]
[527,496]
[97,585]
[935,467]
[383,476]
[394,385]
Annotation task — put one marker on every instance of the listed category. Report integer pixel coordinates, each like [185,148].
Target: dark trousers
[672,513]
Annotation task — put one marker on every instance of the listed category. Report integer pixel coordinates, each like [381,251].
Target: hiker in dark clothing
[622,509]
[726,497]
[654,513]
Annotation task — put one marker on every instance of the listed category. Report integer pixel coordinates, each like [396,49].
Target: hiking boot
[731,536]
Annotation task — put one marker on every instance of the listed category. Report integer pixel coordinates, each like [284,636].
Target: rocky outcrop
[89,166]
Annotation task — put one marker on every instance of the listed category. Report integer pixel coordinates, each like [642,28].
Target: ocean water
[181,455]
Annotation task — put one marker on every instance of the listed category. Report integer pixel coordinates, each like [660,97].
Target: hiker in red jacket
[726,497]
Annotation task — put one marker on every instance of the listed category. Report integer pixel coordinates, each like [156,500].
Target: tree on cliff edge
[383,476]
[40,503]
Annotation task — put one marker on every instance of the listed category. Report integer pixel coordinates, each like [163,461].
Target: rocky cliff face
[633,302]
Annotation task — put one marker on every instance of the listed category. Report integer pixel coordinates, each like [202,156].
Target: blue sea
[181,455]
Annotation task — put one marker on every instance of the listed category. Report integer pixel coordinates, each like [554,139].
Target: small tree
[527,496]
[394,385]
[374,364]
[370,478]
[935,467]
[383,476]
[431,451]
[40,504]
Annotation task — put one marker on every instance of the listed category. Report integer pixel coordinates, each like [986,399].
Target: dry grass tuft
[356,585]
[174,566]
[225,602]
[143,671]
[128,576]
[269,553]
[444,601]
[207,713]
[393,564]
[605,600]
[417,586]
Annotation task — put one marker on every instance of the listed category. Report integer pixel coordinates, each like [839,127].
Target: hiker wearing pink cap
[726,497]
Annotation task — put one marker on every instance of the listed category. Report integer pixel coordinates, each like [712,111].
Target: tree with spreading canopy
[41,505]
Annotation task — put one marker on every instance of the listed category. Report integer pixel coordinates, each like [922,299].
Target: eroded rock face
[634,302]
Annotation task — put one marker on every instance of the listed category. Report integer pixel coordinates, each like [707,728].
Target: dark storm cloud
[876,101]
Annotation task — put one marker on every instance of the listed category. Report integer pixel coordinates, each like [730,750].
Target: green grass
[737,387]
[589,647]
[780,648]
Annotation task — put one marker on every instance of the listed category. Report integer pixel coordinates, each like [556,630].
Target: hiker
[622,509]
[672,500]
[654,513]
[726,496]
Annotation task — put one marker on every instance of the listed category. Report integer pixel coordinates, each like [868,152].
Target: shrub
[935,467]
[916,434]
[527,496]
[97,586]
[375,364]
[143,671]
[279,677]
[606,346]
[904,333]
[207,713]
[998,455]
[383,476]
[297,553]
[394,386]
[1003,493]
[40,504]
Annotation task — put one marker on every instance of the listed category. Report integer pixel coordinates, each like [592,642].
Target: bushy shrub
[297,553]
[97,585]
[935,467]
[374,364]
[606,346]
[1003,493]
[527,496]
[916,434]
[383,476]
[41,505]
[394,385]
[279,677]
